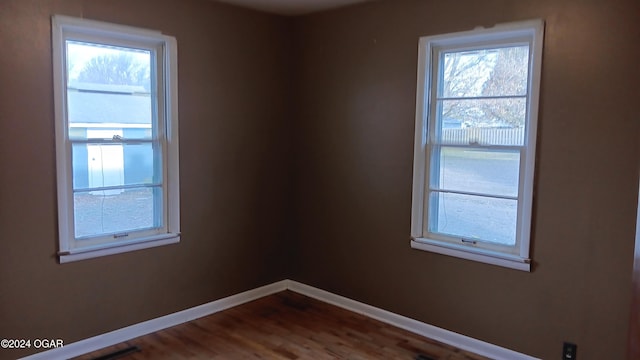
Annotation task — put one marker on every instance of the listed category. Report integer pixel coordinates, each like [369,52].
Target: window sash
[435,145]
[157,140]
[431,215]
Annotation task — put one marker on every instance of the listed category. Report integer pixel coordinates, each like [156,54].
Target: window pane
[485,72]
[108,86]
[100,165]
[492,172]
[473,217]
[117,211]
[482,121]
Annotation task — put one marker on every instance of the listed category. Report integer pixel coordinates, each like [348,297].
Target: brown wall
[349,131]
[356,85]
[234,168]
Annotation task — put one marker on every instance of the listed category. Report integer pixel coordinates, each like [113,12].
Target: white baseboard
[432,332]
[130,332]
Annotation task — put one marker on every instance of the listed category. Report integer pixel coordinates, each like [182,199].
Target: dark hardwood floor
[286,325]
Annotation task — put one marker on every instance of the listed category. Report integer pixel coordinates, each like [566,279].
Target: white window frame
[532,32]
[164,47]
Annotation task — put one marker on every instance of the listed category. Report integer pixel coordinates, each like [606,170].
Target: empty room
[340,179]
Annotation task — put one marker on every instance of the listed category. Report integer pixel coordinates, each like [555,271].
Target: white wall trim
[130,332]
[445,336]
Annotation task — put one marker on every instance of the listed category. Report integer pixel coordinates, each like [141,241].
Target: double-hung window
[115,90]
[477,109]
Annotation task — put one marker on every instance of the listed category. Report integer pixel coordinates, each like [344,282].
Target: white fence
[484,136]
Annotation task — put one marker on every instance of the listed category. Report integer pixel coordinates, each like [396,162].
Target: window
[116,119]
[477,108]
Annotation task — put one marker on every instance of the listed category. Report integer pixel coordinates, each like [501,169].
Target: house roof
[100,103]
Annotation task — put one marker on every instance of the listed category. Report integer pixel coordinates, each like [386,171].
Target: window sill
[475,254]
[110,249]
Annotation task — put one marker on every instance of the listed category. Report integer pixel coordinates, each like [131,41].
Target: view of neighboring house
[109,112]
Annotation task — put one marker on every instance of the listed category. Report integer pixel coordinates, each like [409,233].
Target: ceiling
[292,7]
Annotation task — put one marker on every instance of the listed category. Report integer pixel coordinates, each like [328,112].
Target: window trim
[479,37]
[69,28]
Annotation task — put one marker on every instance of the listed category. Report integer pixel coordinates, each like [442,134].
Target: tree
[485,73]
[463,76]
[508,78]
[116,69]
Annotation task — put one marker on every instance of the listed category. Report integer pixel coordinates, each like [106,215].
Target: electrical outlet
[569,351]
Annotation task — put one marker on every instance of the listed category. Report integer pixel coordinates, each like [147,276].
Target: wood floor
[286,325]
